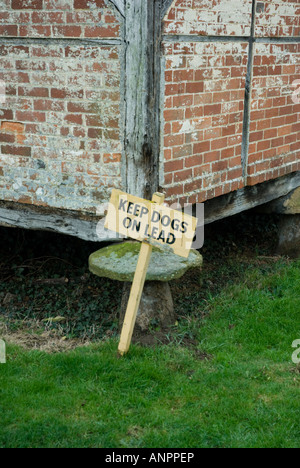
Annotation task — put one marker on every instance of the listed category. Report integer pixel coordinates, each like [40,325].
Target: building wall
[62,124]
[209,17]
[203,119]
[60,138]
[216,137]
[274,117]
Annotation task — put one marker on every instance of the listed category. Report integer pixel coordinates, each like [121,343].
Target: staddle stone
[119,261]
[289,236]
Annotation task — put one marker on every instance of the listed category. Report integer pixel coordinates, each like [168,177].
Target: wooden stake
[137,289]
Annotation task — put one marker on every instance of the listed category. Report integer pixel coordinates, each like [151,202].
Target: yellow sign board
[145,220]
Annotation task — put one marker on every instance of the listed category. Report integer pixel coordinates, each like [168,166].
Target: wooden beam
[120,5]
[165,6]
[91,228]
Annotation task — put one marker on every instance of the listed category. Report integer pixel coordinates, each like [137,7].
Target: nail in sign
[148,221]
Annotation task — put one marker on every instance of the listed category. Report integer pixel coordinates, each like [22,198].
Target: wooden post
[142,95]
[137,289]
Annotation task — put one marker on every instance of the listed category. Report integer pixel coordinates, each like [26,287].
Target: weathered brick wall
[58,18]
[209,17]
[61,123]
[277,18]
[204,105]
[205,146]
[274,118]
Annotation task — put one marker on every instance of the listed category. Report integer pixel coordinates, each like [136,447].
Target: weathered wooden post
[143,35]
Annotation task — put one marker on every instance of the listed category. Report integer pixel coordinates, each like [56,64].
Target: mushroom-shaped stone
[119,261]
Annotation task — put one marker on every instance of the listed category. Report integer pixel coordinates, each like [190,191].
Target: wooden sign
[151,223]
[155,223]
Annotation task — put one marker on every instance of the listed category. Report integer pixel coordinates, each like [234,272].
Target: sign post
[137,289]
[152,223]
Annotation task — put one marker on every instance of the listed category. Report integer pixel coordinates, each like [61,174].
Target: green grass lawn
[245,394]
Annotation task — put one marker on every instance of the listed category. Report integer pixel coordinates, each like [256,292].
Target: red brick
[174,114]
[227,153]
[177,190]
[48,105]
[183,101]
[220,166]
[112,158]
[183,75]
[94,121]
[183,175]
[235,174]
[277,142]
[9,30]
[202,147]
[66,93]
[30,116]
[192,112]
[230,130]
[33,92]
[174,140]
[211,157]
[6,114]
[263,145]
[85,4]
[74,119]
[256,136]
[102,31]
[81,107]
[7,137]
[67,31]
[192,186]
[43,31]
[195,160]
[271,133]
[12,127]
[95,132]
[175,89]
[181,151]
[218,144]
[172,166]
[195,87]
[213,110]
[16,150]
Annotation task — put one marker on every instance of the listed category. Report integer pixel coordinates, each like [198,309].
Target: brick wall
[209,17]
[278,18]
[58,18]
[275,125]
[61,123]
[205,144]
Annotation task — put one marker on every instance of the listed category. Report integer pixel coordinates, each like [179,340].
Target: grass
[245,394]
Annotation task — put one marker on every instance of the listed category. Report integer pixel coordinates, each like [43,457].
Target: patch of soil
[166,337]
[50,341]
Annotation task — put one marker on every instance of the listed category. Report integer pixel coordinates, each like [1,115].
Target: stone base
[289,236]
[156,307]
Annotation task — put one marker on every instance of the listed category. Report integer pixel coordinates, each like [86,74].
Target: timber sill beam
[24,216]
[250,197]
